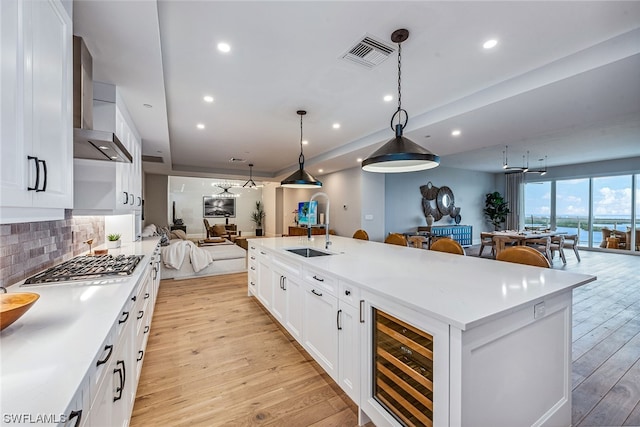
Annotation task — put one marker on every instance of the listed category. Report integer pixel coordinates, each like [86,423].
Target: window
[572,208]
[537,204]
[611,206]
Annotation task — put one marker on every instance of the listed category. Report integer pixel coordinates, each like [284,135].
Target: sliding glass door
[572,208]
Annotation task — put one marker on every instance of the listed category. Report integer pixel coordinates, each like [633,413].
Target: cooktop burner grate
[87,268]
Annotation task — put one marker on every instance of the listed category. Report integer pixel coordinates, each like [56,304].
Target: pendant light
[300,178]
[400,154]
[250,183]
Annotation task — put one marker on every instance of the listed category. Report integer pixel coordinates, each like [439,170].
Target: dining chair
[557,244]
[486,239]
[448,245]
[523,255]
[503,242]
[542,244]
[417,241]
[361,235]
[396,239]
[571,242]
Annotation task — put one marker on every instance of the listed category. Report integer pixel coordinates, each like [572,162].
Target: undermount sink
[308,252]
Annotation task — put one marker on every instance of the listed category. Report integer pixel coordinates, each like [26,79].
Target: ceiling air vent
[237,160]
[368,52]
[152,159]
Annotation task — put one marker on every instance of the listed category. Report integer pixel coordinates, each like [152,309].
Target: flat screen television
[308,214]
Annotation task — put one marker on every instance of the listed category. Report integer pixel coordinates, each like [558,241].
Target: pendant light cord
[400,110]
[301,158]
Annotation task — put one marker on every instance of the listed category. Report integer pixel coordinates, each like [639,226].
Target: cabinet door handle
[126,198]
[347,292]
[134,298]
[146,329]
[313,291]
[263,253]
[253,284]
[133,199]
[319,279]
[284,283]
[106,358]
[140,355]
[253,257]
[139,201]
[361,311]
[146,295]
[140,314]
[44,168]
[122,375]
[253,268]
[338,322]
[77,415]
[126,316]
[35,160]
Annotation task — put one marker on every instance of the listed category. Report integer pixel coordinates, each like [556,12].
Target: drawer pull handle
[146,295]
[35,187]
[44,168]
[140,354]
[361,311]
[140,314]
[338,323]
[126,316]
[347,292]
[313,291]
[106,358]
[253,284]
[253,268]
[253,257]
[146,329]
[319,279]
[263,253]
[75,414]
[134,298]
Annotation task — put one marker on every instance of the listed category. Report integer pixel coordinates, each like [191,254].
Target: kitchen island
[494,338]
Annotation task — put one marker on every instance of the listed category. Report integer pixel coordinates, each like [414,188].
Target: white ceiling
[563,81]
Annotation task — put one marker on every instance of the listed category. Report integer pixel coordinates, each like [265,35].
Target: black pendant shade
[400,154]
[301,178]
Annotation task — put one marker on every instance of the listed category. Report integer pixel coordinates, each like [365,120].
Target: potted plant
[257,216]
[113,241]
[496,209]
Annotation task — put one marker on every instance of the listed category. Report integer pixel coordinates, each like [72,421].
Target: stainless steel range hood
[89,143]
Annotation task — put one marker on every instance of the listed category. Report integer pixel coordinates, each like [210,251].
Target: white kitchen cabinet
[265,280]
[76,413]
[36,177]
[252,276]
[287,295]
[349,330]
[320,332]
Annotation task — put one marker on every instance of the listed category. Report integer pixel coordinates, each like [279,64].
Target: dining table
[504,237]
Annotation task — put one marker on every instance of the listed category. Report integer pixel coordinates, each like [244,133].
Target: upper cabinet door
[49,73]
[16,171]
[36,111]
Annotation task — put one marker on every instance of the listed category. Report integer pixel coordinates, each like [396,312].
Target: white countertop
[45,355]
[462,291]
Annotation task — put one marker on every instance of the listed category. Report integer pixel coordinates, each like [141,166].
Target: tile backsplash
[28,248]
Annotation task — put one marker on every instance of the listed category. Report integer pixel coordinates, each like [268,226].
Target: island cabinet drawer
[348,293]
[321,279]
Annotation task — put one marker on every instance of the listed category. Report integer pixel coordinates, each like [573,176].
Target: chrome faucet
[327,241]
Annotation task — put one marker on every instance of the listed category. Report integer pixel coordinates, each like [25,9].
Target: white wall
[343,189]
[188,194]
[372,194]
[403,200]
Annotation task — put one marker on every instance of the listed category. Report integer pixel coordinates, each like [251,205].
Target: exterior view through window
[594,208]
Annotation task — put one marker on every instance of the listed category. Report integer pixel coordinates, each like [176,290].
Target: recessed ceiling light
[455,132]
[336,125]
[359,160]
[104,147]
[208,98]
[147,105]
[388,98]
[114,157]
[490,44]
[320,170]
[224,47]
[200,126]
[305,142]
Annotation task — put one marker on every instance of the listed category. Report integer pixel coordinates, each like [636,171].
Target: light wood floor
[216,358]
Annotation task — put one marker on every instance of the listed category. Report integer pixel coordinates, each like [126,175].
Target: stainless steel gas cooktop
[87,268]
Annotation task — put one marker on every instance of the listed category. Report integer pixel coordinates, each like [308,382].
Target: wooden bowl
[14,305]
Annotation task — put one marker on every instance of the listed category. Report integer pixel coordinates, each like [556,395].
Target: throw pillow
[180,234]
[219,230]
